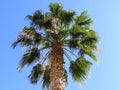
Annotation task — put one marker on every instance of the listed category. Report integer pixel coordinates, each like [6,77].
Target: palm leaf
[74,44]
[77,31]
[36,19]
[83,19]
[79,69]
[36,73]
[90,39]
[66,16]
[47,24]
[28,37]
[46,78]
[29,57]
[55,9]
[88,51]
[23,41]
[86,22]
[61,36]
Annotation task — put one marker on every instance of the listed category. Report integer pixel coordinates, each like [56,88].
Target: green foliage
[55,8]
[79,69]
[77,31]
[40,71]
[73,32]
[83,19]
[90,53]
[29,57]
[37,18]
[27,37]
[90,39]
[36,73]
[46,77]
[66,16]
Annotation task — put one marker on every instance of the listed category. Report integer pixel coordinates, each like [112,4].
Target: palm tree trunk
[57,75]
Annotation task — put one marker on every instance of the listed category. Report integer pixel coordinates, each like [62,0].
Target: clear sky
[106,14]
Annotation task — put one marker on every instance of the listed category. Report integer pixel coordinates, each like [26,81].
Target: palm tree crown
[67,34]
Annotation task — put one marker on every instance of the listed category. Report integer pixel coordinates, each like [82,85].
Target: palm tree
[54,38]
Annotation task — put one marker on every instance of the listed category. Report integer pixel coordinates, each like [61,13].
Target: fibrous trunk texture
[57,75]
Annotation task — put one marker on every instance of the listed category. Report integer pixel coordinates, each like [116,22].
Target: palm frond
[73,44]
[55,9]
[83,19]
[28,37]
[29,57]
[66,17]
[33,34]
[90,39]
[46,78]
[23,41]
[77,31]
[86,22]
[61,36]
[79,69]
[47,24]
[36,19]
[88,51]
[36,73]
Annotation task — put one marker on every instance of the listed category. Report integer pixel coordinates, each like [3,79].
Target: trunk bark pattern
[57,75]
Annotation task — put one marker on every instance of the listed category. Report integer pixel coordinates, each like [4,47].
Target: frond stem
[71,52]
[44,48]
[46,55]
[67,56]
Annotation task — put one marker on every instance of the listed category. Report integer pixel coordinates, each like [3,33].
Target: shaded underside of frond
[31,56]
[36,73]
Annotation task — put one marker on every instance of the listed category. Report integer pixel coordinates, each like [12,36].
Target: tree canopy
[73,31]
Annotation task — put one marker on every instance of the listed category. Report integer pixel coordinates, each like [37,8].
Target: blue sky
[106,15]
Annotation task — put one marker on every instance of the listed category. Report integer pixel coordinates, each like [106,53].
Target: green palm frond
[29,57]
[77,31]
[33,34]
[83,19]
[47,16]
[90,39]
[28,37]
[36,73]
[55,9]
[40,71]
[66,16]
[88,51]
[86,22]
[79,69]
[23,41]
[61,36]
[74,44]
[37,18]
[46,78]
[47,24]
